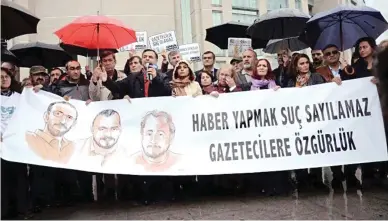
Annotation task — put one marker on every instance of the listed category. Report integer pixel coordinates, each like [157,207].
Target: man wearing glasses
[333,70]
[50,143]
[208,60]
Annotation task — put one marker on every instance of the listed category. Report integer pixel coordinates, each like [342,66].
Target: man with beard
[38,75]
[50,143]
[102,146]
[244,77]
[157,134]
[281,75]
[317,58]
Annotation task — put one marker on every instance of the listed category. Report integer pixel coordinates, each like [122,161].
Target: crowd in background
[28,189]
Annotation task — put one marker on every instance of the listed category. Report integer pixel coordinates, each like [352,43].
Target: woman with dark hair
[183,81]
[14,180]
[363,66]
[206,81]
[263,77]
[9,85]
[302,73]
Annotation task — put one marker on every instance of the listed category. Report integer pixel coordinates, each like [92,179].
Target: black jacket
[198,78]
[63,87]
[281,76]
[313,80]
[133,86]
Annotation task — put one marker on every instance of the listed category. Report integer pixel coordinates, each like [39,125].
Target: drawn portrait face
[156,136]
[106,129]
[60,119]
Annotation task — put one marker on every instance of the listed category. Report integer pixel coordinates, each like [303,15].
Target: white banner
[243,132]
[8,107]
[164,42]
[190,52]
[139,45]
[236,46]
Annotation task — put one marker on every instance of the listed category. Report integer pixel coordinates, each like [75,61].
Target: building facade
[188,18]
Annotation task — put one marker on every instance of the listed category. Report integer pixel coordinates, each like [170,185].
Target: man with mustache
[102,145]
[38,75]
[244,77]
[157,133]
[50,143]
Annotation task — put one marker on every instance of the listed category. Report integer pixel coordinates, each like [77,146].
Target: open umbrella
[7,56]
[16,20]
[95,32]
[278,24]
[275,45]
[343,26]
[76,50]
[219,35]
[38,53]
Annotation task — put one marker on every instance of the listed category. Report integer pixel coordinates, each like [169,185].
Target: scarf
[208,89]
[302,80]
[257,84]
[6,93]
[178,86]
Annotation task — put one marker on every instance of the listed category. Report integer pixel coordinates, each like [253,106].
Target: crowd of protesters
[28,189]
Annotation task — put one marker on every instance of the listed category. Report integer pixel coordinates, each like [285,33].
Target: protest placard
[275,130]
[164,42]
[236,46]
[190,52]
[140,45]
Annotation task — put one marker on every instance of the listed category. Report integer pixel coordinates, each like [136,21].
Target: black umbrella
[7,56]
[219,35]
[343,26]
[38,53]
[275,45]
[16,20]
[75,50]
[279,24]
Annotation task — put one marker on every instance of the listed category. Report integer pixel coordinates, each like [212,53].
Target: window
[298,4]
[276,4]
[217,17]
[219,64]
[244,4]
[186,22]
[216,2]
[244,16]
[217,20]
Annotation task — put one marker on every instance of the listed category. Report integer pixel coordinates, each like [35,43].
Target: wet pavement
[373,205]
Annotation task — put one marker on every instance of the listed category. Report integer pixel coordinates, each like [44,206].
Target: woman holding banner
[14,179]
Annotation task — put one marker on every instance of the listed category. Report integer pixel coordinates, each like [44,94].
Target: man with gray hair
[244,78]
[173,58]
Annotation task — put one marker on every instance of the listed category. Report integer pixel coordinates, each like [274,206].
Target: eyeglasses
[329,53]
[57,113]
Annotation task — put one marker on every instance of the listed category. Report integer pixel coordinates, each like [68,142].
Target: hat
[238,59]
[37,70]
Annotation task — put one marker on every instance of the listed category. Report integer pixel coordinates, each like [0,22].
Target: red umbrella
[95,32]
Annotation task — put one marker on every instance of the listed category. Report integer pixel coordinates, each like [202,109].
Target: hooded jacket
[192,89]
